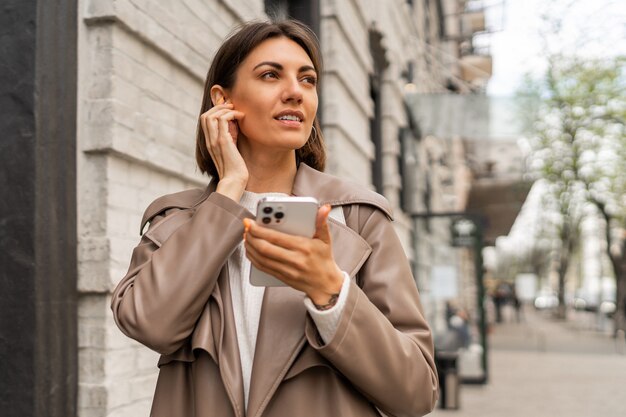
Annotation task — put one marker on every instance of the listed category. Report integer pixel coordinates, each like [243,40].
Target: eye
[269,74]
[311,79]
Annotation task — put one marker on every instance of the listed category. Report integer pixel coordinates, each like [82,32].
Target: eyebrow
[280,67]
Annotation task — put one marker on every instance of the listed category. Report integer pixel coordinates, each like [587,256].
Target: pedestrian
[517,305]
[347,335]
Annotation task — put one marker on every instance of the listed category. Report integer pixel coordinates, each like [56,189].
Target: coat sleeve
[173,271]
[383,344]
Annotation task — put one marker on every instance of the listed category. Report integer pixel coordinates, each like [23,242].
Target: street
[542,367]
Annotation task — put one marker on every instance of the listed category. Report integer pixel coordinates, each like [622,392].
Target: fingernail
[246,224]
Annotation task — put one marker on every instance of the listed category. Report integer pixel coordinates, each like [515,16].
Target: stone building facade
[140,68]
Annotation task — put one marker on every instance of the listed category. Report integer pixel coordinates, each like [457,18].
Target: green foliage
[575,122]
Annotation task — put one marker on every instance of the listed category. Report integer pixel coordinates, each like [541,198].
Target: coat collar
[328,189]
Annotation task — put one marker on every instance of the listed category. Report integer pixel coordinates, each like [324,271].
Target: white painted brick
[92,397]
[100,86]
[117,169]
[138,176]
[91,365]
[122,195]
[118,222]
[144,386]
[122,248]
[92,412]
[93,249]
[157,109]
[91,334]
[189,83]
[92,306]
[120,392]
[188,103]
[146,360]
[138,408]
[99,113]
[126,92]
[115,339]
[93,277]
[129,44]
[124,65]
[120,363]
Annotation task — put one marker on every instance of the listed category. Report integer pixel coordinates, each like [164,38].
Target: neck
[270,170]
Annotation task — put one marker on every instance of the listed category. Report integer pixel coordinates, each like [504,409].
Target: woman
[347,336]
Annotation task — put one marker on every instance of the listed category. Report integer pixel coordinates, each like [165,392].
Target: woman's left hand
[305,264]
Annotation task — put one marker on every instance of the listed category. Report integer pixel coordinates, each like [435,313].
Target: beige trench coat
[175,299]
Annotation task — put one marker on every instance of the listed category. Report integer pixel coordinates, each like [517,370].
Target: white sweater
[247,300]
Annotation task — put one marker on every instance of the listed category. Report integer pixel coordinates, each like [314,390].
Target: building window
[376,126]
[306,11]
[376,133]
[404,159]
[277,9]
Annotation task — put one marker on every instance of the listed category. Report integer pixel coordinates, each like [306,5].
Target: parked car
[546,300]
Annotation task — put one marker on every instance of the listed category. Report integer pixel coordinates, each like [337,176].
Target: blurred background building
[101,100]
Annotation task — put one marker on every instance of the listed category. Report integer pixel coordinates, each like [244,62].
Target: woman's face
[275,88]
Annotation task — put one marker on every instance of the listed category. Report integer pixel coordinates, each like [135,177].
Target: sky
[590,27]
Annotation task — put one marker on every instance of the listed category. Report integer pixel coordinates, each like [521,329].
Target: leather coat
[175,299]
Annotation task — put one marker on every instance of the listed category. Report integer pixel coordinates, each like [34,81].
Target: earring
[314,131]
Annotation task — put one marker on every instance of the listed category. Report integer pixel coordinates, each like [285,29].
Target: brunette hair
[223,70]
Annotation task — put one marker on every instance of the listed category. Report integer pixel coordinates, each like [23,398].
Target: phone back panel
[292,215]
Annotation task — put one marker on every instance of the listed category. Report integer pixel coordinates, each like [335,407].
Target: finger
[212,112]
[230,116]
[222,133]
[212,128]
[224,128]
[209,128]
[277,238]
[215,130]
[282,271]
[215,109]
[322,231]
[233,129]
[268,250]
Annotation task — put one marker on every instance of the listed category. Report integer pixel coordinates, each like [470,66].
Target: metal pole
[478,248]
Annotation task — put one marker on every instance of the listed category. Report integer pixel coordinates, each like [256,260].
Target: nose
[292,91]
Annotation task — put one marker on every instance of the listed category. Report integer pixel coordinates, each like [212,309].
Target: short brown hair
[224,67]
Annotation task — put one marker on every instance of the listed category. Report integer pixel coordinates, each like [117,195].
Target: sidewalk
[545,368]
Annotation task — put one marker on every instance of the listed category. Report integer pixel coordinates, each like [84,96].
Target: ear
[218,95]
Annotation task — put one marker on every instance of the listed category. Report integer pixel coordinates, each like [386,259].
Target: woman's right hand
[220,133]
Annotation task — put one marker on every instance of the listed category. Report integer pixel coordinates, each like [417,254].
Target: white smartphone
[292,215]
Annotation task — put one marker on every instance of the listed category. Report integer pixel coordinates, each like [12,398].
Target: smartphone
[292,215]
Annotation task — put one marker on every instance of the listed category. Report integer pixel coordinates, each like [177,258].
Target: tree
[578,145]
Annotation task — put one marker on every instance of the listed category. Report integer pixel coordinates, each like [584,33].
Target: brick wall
[141,69]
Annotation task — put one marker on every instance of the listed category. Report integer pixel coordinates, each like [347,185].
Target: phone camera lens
[266,220]
[267,210]
[279,214]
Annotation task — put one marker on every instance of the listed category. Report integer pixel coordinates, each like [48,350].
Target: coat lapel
[229,359]
[280,338]
[283,317]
